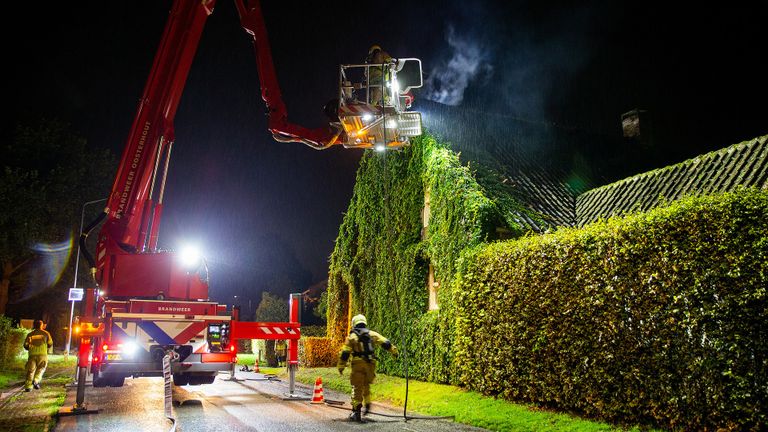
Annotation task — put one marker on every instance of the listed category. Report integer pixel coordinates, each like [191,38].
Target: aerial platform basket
[375,113]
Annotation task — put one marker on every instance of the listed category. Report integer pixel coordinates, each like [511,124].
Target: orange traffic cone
[318,397]
[256,366]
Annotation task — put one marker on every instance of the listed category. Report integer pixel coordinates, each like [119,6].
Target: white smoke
[447,82]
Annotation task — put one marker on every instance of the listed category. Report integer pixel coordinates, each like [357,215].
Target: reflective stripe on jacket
[38,342]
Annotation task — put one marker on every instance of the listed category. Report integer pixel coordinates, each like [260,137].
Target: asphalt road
[251,403]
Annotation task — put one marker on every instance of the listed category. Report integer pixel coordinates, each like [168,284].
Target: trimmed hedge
[313,330]
[318,351]
[657,318]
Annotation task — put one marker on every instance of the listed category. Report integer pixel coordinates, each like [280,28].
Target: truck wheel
[108,380]
[205,379]
[180,379]
[201,379]
[99,380]
[117,381]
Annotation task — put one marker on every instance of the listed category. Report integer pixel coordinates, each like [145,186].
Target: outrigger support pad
[79,407]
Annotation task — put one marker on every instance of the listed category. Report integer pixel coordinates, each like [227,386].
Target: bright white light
[129,348]
[367,117]
[396,86]
[379,147]
[391,124]
[190,257]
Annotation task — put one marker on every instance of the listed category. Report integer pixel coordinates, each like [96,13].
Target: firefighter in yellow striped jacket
[358,351]
[374,75]
[38,342]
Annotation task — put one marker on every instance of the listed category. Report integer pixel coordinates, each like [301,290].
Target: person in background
[38,343]
[281,350]
[358,351]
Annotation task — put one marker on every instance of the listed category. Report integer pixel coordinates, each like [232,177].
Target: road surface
[250,403]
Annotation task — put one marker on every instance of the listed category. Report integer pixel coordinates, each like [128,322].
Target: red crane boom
[149,306]
[127,263]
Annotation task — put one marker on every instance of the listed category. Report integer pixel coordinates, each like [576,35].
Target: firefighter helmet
[358,319]
[372,51]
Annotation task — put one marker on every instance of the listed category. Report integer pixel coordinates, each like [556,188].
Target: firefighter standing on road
[38,342]
[358,351]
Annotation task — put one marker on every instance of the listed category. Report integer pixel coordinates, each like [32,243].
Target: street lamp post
[77,265]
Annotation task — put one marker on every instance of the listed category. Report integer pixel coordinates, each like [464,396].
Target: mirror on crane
[409,74]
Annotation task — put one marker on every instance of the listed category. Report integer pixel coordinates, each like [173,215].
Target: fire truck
[148,303]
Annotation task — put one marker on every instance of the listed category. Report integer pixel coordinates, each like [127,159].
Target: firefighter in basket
[374,74]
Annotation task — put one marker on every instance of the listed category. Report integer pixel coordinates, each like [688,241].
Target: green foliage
[321,310]
[508,198]
[245,346]
[47,173]
[258,348]
[11,341]
[271,309]
[382,256]
[313,330]
[656,318]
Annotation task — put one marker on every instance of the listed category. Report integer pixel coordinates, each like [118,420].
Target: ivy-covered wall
[381,261]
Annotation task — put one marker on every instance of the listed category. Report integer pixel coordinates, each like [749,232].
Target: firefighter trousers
[363,373]
[36,364]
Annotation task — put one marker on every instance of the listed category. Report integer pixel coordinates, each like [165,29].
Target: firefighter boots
[355,416]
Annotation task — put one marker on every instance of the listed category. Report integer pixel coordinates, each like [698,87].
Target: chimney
[630,123]
[636,125]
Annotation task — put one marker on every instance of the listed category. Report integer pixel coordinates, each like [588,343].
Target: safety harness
[364,337]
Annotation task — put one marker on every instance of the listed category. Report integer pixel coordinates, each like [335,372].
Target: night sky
[267,213]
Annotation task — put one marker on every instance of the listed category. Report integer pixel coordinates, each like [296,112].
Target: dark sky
[267,212]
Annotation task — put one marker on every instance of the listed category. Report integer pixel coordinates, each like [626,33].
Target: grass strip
[34,411]
[250,360]
[467,407]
